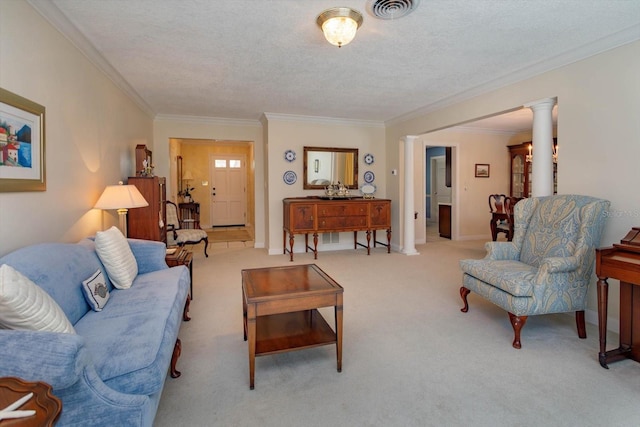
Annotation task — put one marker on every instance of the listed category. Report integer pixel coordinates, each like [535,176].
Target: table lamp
[121,197]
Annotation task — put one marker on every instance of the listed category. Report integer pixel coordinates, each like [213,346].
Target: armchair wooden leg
[582,329]
[463,293]
[517,322]
[206,245]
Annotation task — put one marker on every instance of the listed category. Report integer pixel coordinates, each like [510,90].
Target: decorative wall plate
[368,190]
[369,177]
[289,155]
[368,159]
[289,177]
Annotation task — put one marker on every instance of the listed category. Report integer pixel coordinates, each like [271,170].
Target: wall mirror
[324,165]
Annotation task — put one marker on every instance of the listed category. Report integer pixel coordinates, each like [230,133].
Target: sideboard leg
[389,241]
[291,247]
[315,245]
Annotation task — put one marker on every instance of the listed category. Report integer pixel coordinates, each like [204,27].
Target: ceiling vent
[392,9]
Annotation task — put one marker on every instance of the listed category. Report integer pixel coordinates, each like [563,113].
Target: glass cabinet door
[517,175]
[529,181]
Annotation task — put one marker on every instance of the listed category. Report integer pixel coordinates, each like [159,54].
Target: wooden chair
[177,235]
[501,209]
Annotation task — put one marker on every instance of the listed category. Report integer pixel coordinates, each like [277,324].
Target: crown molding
[208,120]
[48,10]
[481,130]
[321,120]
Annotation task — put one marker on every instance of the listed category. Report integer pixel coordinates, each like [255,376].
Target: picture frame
[482,170]
[22,144]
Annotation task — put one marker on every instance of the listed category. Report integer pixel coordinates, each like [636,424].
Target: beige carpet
[410,357]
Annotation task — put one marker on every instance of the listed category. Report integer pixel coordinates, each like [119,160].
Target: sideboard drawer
[340,223]
[342,210]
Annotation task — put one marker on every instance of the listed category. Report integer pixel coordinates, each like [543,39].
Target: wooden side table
[190,214]
[46,405]
[181,256]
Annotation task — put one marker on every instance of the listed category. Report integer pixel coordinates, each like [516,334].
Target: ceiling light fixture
[339,24]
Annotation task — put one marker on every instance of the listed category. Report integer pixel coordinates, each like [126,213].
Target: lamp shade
[339,25]
[121,197]
[187,176]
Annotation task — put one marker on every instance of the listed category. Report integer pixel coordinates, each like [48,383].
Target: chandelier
[339,25]
[529,157]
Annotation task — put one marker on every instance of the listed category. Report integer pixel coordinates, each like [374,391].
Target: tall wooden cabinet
[521,171]
[149,223]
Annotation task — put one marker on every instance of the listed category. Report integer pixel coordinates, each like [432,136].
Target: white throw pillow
[114,252]
[24,305]
[95,291]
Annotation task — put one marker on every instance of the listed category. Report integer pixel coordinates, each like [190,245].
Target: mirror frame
[354,151]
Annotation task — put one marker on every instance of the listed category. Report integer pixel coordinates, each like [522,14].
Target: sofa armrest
[63,361]
[499,251]
[56,358]
[150,255]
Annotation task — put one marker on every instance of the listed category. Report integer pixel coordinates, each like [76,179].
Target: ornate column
[409,240]
[542,167]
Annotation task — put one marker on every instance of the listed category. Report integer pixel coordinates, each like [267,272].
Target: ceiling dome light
[339,25]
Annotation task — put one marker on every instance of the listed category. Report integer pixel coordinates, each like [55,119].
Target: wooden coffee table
[279,307]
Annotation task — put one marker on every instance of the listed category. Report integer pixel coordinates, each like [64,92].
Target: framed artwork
[482,170]
[22,144]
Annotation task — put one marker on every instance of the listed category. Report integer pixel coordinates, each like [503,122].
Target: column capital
[410,138]
[544,102]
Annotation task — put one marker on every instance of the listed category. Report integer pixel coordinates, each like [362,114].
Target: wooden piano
[622,262]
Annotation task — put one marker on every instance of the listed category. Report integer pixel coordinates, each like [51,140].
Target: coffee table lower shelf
[279,333]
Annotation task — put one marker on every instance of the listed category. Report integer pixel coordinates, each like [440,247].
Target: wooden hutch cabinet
[520,177]
[149,223]
[314,215]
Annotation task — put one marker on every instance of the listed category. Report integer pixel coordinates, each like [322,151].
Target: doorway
[196,157]
[436,190]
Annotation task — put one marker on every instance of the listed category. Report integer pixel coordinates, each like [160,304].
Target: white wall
[92,129]
[598,131]
[294,133]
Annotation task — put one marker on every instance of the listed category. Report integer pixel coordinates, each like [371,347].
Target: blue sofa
[112,371]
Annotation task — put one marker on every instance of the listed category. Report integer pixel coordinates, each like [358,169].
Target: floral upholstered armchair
[549,264]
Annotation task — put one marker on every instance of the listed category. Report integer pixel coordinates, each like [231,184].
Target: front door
[228,189]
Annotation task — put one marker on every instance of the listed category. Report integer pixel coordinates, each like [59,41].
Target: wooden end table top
[274,283]
[280,313]
[46,405]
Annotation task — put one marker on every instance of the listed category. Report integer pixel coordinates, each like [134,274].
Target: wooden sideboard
[314,215]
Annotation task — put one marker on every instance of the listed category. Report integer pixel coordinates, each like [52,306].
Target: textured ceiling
[241,58]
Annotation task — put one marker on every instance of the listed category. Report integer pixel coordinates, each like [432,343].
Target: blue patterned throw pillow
[95,291]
